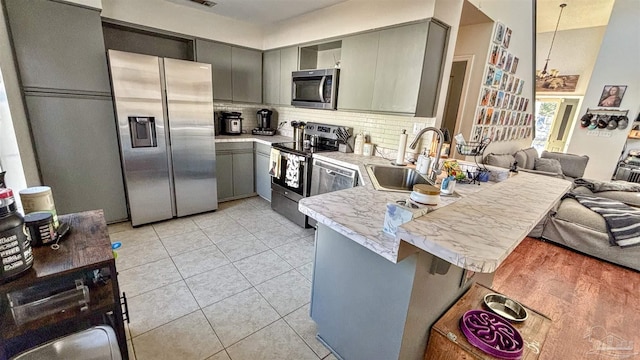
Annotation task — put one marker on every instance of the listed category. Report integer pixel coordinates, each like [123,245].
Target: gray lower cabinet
[277,68]
[395,70]
[262,177]
[237,72]
[58,46]
[75,139]
[234,170]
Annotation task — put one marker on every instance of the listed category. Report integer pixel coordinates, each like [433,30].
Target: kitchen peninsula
[376,296]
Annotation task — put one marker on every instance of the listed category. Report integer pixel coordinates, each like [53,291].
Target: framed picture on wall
[612,95]
[497,78]
[487,119]
[486,94]
[480,115]
[498,34]
[506,39]
[503,59]
[495,54]
[514,65]
[493,97]
[488,79]
[504,81]
[507,66]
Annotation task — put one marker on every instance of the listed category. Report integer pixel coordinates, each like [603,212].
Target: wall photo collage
[501,113]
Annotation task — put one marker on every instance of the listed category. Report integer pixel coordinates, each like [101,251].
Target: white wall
[13,122]
[473,40]
[574,53]
[517,15]
[184,20]
[616,64]
[345,18]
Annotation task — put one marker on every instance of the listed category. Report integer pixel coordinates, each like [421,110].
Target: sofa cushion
[628,197]
[572,211]
[500,160]
[526,158]
[572,165]
[548,165]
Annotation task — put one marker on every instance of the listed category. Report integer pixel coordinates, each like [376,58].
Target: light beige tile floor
[233,284]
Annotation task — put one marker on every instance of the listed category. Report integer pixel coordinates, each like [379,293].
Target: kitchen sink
[394,178]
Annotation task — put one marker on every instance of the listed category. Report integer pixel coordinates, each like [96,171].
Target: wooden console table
[448,342]
[84,254]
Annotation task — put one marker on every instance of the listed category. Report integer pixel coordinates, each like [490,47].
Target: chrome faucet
[436,169]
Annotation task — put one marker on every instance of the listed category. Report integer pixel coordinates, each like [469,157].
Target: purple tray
[492,334]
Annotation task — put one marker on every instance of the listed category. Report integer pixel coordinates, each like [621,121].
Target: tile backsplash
[383,129]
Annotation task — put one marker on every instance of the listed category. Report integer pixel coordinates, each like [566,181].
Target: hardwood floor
[594,305]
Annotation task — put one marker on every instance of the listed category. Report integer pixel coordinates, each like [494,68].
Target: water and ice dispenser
[143,131]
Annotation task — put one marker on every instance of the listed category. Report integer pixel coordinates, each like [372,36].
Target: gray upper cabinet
[271,77]
[395,70]
[358,70]
[219,56]
[58,46]
[431,79]
[288,64]
[278,66]
[246,66]
[400,57]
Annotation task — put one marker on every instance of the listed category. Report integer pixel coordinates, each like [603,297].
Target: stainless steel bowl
[505,307]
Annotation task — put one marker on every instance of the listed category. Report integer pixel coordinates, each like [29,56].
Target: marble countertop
[267,140]
[476,230]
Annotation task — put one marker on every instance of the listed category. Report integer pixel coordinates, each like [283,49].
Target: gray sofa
[566,166]
[572,225]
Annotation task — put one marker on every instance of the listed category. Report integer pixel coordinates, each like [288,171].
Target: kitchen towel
[274,163]
[292,177]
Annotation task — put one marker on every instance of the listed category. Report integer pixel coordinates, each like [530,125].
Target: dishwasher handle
[335,170]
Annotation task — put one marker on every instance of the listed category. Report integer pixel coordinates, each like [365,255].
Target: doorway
[554,119]
[456,97]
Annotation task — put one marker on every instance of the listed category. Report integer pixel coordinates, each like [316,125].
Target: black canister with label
[15,250]
[39,228]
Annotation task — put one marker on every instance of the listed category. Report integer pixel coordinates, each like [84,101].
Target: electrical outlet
[417,127]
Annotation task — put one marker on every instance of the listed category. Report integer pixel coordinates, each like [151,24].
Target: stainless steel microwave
[316,89]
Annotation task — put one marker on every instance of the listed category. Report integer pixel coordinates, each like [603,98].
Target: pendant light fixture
[546,74]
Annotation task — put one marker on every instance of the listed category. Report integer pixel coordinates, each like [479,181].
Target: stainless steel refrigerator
[165,124]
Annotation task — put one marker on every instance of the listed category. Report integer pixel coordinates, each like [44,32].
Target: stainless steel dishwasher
[327,177]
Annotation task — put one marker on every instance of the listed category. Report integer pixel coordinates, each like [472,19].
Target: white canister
[39,198]
[422,166]
[425,194]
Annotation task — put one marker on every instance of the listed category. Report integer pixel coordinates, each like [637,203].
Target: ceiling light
[545,74]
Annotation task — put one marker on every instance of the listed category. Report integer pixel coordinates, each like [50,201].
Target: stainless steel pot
[298,131]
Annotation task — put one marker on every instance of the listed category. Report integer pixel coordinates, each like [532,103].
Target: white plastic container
[422,166]
[359,144]
[425,194]
[39,198]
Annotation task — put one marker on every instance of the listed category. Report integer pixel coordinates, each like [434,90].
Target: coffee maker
[264,123]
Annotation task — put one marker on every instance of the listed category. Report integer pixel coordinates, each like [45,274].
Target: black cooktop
[298,148]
